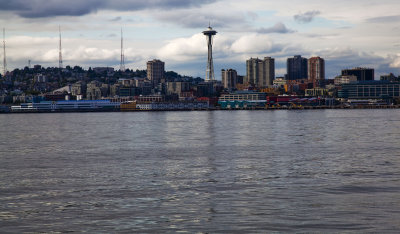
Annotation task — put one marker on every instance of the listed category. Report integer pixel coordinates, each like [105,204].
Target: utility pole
[4,53]
[122,64]
[60,62]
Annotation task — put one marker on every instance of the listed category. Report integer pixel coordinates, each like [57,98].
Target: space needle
[209,33]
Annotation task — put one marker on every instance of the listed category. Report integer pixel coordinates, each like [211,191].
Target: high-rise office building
[155,71]
[251,68]
[296,68]
[260,73]
[316,70]
[361,73]
[229,78]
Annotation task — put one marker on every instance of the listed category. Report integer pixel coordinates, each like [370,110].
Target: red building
[316,70]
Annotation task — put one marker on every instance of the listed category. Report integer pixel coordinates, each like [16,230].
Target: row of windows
[242,97]
[374,91]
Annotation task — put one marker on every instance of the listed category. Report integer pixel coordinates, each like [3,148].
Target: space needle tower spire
[4,53]
[210,33]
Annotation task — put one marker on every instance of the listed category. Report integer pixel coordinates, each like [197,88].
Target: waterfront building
[150,98]
[243,95]
[362,74]
[195,105]
[229,78]
[128,106]
[83,105]
[260,73]
[296,68]
[370,90]
[316,92]
[155,71]
[55,96]
[316,71]
[243,100]
[242,104]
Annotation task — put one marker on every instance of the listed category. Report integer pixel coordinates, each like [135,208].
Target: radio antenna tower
[122,64]
[60,62]
[210,33]
[4,53]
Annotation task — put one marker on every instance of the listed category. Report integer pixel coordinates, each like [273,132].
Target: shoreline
[214,109]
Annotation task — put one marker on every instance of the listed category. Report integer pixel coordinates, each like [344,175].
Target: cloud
[395,62]
[384,19]
[201,18]
[182,49]
[43,50]
[195,47]
[116,19]
[252,43]
[277,28]
[45,8]
[340,58]
[320,36]
[306,17]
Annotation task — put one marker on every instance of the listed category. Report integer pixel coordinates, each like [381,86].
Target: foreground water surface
[220,171]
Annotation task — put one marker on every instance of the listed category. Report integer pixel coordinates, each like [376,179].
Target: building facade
[93,90]
[344,80]
[241,96]
[316,70]
[390,77]
[316,92]
[370,90]
[79,88]
[155,71]
[362,74]
[177,88]
[229,78]
[260,73]
[195,105]
[296,68]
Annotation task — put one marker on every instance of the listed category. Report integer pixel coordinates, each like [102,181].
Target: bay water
[201,171]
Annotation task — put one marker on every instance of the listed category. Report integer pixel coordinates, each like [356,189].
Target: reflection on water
[224,171]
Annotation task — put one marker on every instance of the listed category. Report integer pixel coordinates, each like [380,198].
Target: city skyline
[345,33]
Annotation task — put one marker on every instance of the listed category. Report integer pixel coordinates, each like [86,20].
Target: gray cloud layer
[306,17]
[49,8]
[384,19]
[192,19]
[277,28]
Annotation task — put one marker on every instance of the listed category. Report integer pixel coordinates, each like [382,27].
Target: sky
[346,33]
